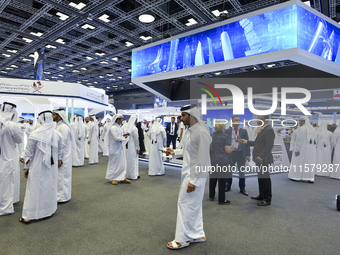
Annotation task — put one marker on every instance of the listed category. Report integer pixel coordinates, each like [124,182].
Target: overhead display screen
[281,29]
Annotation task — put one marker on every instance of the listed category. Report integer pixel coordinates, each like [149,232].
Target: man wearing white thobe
[80,134]
[65,171]
[116,167]
[157,137]
[29,128]
[304,154]
[92,137]
[336,159]
[21,146]
[105,142]
[324,150]
[132,151]
[87,146]
[42,157]
[196,158]
[10,134]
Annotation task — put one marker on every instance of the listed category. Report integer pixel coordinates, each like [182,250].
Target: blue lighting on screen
[281,29]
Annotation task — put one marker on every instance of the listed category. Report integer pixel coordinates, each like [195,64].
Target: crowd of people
[54,146]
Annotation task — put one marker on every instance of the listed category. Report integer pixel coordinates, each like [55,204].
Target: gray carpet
[140,218]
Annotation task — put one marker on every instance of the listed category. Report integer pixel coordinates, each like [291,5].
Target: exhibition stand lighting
[146,18]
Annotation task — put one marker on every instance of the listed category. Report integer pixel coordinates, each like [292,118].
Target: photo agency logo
[238,102]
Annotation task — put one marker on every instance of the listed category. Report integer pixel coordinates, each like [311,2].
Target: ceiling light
[47,72]
[83,68]
[60,41]
[60,75]
[146,18]
[104,18]
[101,77]
[85,80]
[78,81]
[47,79]
[217,13]
[14,66]
[121,87]
[89,58]
[89,83]
[54,77]
[8,68]
[218,73]
[113,86]
[60,81]
[39,34]
[100,54]
[131,83]
[107,87]
[271,65]
[3,71]
[120,77]
[61,67]
[50,46]
[75,71]
[86,26]
[145,38]
[307,3]
[112,79]
[27,40]
[26,59]
[6,55]
[70,65]
[191,22]
[109,74]
[95,82]
[12,51]
[128,44]
[62,16]
[129,70]
[104,62]
[115,58]
[78,6]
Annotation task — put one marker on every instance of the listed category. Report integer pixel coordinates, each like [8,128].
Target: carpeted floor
[140,218]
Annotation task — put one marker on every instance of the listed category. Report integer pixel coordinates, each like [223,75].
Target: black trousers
[237,157]
[171,138]
[265,183]
[221,184]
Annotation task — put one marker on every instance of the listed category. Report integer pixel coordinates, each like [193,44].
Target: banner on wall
[39,64]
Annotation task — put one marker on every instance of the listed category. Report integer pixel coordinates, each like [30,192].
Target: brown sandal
[125,181]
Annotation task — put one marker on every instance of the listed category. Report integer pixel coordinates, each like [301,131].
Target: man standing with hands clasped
[263,157]
[196,158]
[171,132]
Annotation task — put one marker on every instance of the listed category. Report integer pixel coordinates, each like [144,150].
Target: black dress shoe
[211,198]
[227,189]
[263,203]
[226,202]
[257,198]
[244,192]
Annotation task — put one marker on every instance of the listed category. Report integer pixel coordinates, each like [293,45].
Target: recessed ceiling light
[128,44]
[95,82]
[131,83]
[218,73]
[115,58]
[129,70]
[61,67]
[78,6]
[60,41]
[14,66]
[191,22]
[26,59]
[217,13]
[146,18]
[104,62]
[83,68]
[270,65]
[89,83]
[145,38]
[39,34]
[75,71]
[114,86]
[47,72]
[100,54]
[62,16]
[60,75]
[51,46]
[12,51]
[101,77]
[107,87]
[53,77]
[109,74]
[89,58]
[6,55]
[27,40]
[8,68]
[112,79]
[120,77]
[104,18]
[3,71]
[85,80]
[86,26]
[70,65]
[47,79]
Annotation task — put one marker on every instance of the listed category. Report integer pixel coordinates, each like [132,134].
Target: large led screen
[281,29]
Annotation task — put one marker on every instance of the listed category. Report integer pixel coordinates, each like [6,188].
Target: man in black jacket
[171,133]
[263,157]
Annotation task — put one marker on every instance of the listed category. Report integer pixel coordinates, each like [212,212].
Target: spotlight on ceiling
[146,18]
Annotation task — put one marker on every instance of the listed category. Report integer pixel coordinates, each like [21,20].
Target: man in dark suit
[171,133]
[240,153]
[262,155]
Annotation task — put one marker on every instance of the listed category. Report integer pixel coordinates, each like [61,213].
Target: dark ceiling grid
[171,16]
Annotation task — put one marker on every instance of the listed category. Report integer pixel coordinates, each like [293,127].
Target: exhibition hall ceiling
[90,41]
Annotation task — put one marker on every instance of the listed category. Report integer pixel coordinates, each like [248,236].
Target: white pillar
[72,111]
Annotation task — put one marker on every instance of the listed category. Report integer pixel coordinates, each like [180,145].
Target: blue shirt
[217,149]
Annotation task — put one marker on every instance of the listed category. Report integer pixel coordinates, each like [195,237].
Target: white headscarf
[64,119]
[131,124]
[6,115]
[322,128]
[156,129]
[113,121]
[79,127]
[44,136]
[195,112]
